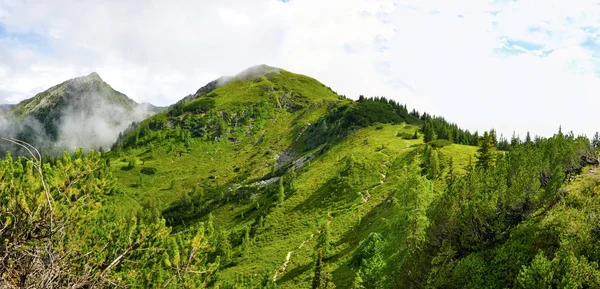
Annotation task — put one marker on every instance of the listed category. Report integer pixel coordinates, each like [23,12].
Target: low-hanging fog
[80,113]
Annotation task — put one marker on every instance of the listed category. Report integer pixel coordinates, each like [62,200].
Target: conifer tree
[281,194]
[369,258]
[514,140]
[596,140]
[429,131]
[528,139]
[246,242]
[487,151]
[290,179]
[323,241]
[322,278]
[434,165]
[451,176]
[224,248]
[210,229]
[132,162]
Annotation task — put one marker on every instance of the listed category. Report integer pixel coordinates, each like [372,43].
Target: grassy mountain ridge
[271,180]
[227,153]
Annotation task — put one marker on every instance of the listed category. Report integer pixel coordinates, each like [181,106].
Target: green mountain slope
[269,179]
[227,152]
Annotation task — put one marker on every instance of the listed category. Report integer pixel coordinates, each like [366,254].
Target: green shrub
[131,162]
[148,171]
[200,105]
[405,135]
[440,143]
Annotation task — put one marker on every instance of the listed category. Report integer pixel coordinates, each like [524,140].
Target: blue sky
[511,65]
[28,39]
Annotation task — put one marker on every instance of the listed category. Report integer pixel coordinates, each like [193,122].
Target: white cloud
[469,75]
[513,65]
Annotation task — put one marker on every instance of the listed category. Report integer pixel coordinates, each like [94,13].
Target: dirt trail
[366,195]
[365,198]
[288,258]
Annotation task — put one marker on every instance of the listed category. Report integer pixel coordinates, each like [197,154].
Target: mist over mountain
[84,112]
[270,179]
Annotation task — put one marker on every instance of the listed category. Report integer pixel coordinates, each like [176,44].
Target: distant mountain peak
[81,112]
[94,75]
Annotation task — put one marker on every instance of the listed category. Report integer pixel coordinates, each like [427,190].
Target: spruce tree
[487,151]
[429,131]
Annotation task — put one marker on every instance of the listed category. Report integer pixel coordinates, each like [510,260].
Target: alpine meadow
[271,178]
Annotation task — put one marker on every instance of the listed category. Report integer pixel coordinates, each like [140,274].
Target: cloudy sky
[511,65]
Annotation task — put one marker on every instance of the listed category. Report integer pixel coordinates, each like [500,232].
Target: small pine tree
[290,179]
[451,176]
[514,140]
[322,278]
[434,165]
[224,248]
[151,151]
[246,242]
[370,262]
[210,228]
[281,195]
[429,131]
[140,181]
[596,140]
[487,151]
[132,162]
[323,241]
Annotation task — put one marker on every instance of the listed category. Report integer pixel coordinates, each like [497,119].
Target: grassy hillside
[223,153]
[270,179]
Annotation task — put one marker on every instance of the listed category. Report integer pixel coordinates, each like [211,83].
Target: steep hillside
[81,112]
[270,157]
[269,179]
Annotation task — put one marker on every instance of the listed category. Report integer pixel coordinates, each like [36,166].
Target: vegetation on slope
[58,233]
[271,179]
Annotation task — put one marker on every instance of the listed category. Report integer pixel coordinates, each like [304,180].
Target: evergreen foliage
[276,181]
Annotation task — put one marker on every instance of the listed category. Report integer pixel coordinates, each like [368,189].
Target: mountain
[270,156]
[82,112]
[270,179]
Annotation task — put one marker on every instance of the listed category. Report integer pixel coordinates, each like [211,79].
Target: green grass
[354,198]
[378,154]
